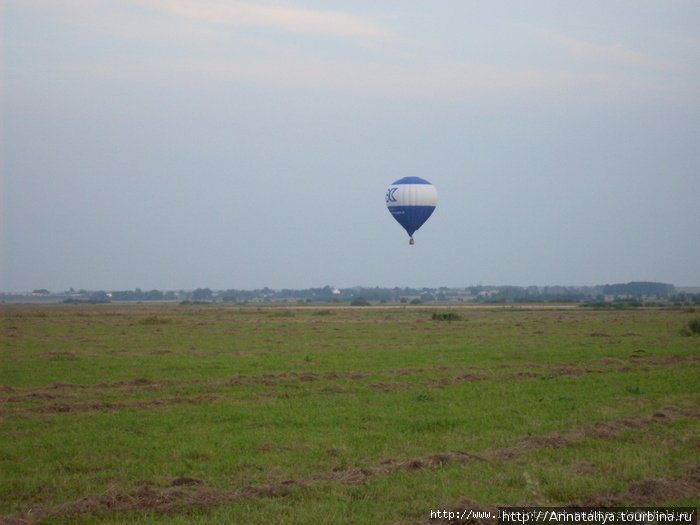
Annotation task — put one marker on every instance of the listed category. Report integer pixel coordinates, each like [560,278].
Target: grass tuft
[154,320]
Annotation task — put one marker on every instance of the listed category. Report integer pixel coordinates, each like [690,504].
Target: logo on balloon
[390,194]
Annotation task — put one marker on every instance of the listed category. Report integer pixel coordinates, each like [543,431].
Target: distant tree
[229,297]
[153,295]
[201,294]
[99,297]
[640,289]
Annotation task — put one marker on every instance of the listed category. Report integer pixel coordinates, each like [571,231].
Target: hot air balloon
[411,201]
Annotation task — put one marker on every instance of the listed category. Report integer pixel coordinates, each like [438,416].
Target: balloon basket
[411,241]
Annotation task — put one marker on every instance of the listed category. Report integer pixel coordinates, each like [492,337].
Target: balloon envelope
[411,201]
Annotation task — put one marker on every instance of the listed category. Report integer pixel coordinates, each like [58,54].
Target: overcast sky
[176,144]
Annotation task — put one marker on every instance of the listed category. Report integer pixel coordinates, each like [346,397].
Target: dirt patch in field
[652,491]
[646,492]
[135,385]
[568,370]
[33,395]
[441,376]
[291,377]
[612,361]
[184,481]
[10,520]
[353,476]
[272,447]
[84,406]
[612,429]
[676,359]
[188,492]
[131,384]
[600,430]
[57,391]
[185,494]
[547,441]
[144,498]
[524,375]
[395,386]
[12,331]
[45,400]
[65,386]
[468,377]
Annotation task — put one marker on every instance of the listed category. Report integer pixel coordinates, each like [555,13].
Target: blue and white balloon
[411,201]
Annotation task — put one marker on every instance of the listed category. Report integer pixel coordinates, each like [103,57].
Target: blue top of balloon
[411,180]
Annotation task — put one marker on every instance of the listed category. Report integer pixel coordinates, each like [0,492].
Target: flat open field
[212,414]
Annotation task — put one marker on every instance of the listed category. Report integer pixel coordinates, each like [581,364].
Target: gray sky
[188,143]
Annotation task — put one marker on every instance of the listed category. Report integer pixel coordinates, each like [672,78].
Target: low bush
[446,316]
[692,327]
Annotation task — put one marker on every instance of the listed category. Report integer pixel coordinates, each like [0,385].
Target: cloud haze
[274,17]
[180,144]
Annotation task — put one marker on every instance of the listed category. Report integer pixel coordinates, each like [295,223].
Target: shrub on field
[446,316]
[693,327]
[359,301]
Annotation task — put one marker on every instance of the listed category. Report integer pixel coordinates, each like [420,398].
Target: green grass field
[212,414]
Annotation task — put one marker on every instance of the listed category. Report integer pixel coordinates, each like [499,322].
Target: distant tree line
[141,295]
[633,293]
[640,289]
[636,291]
